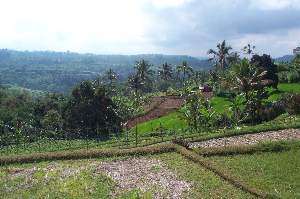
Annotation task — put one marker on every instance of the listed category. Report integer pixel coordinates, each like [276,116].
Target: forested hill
[60,71]
[284,59]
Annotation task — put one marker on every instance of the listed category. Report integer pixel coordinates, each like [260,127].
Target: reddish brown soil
[158,107]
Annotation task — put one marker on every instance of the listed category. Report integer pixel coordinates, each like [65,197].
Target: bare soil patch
[145,175]
[158,107]
[286,134]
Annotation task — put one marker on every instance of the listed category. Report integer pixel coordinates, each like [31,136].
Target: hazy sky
[149,26]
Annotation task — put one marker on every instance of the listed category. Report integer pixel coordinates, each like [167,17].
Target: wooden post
[86,139]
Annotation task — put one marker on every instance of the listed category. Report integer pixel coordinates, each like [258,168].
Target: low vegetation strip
[83,154]
[278,146]
[249,138]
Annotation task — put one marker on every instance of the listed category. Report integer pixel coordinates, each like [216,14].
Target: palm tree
[134,82]
[221,54]
[166,72]
[111,77]
[185,69]
[233,58]
[248,50]
[143,70]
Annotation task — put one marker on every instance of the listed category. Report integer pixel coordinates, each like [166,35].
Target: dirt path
[286,134]
[158,107]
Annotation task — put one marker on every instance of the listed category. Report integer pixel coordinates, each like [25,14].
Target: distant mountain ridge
[60,71]
[284,59]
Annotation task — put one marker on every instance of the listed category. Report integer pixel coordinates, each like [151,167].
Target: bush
[224,121]
[292,104]
[272,111]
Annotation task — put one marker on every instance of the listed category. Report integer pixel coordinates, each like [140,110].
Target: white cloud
[169,3]
[275,4]
[278,43]
[70,24]
[146,26]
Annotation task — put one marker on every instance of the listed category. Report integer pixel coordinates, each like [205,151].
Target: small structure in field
[205,89]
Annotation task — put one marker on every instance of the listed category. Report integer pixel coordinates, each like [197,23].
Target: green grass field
[284,88]
[277,173]
[78,179]
[172,121]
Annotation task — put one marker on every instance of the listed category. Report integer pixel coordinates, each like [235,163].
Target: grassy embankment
[174,121]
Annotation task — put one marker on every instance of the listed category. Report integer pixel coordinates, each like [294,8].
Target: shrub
[224,121]
[272,111]
[292,104]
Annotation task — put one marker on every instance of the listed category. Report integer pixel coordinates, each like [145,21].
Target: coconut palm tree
[185,69]
[143,69]
[111,76]
[166,72]
[220,55]
[248,50]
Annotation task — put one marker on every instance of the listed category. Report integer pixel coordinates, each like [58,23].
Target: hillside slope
[60,71]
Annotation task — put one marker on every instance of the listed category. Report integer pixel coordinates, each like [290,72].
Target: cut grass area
[220,104]
[172,121]
[60,179]
[205,184]
[289,88]
[77,179]
[284,88]
[277,173]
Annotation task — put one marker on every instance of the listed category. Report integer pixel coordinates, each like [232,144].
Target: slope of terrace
[158,107]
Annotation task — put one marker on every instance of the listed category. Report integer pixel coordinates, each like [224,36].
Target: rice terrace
[150,99]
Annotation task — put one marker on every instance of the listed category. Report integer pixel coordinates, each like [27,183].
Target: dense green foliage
[91,112]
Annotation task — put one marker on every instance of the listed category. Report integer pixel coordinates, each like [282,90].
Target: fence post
[127,135]
[86,139]
[136,135]
[161,131]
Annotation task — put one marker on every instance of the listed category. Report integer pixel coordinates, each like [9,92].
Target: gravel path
[285,134]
